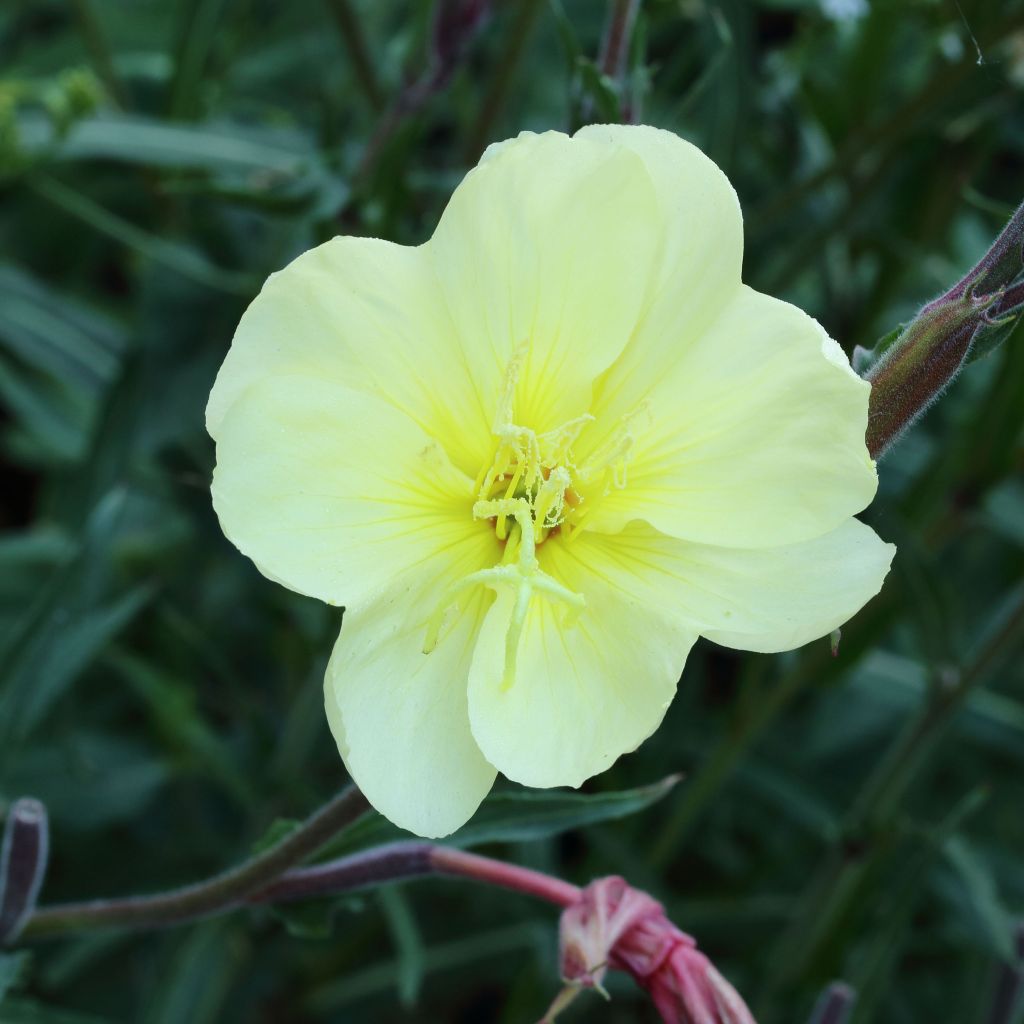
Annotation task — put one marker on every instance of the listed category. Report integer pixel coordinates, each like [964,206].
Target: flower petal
[583,694]
[333,492]
[365,314]
[702,227]
[548,246]
[752,436]
[399,716]
[760,599]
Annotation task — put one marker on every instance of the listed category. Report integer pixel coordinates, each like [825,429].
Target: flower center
[532,488]
[532,474]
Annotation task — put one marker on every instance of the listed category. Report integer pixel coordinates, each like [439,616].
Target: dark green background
[157,160]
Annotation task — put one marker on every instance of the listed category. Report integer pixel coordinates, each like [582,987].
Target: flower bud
[23,860]
[912,369]
[608,911]
[613,925]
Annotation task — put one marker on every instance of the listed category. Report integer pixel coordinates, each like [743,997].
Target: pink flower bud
[614,925]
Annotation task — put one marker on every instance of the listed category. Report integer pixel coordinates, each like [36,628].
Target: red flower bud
[613,925]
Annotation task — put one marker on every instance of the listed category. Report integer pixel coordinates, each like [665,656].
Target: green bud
[82,92]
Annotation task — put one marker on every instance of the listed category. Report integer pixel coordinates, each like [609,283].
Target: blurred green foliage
[856,817]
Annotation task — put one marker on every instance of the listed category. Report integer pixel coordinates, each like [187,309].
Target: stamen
[500,527]
[531,488]
[549,505]
[613,457]
[524,574]
[505,415]
[556,444]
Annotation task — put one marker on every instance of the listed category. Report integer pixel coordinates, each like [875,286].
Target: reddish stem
[510,876]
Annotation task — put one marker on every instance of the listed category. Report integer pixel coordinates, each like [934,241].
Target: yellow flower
[535,458]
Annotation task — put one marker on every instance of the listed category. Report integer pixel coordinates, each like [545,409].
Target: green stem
[209,896]
[99,51]
[352,35]
[719,768]
[490,108]
[899,768]
[837,884]
[879,137]
[183,260]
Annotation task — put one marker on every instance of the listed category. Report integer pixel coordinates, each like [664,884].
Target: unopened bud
[995,270]
[23,860]
[613,925]
[969,320]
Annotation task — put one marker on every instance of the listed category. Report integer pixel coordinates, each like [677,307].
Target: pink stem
[510,876]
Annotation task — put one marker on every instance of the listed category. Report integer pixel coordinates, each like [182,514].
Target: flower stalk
[611,925]
[211,895]
[390,863]
[606,925]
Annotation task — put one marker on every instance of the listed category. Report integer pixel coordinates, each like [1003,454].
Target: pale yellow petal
[333,492]
[760,599]
[583,693]
[701,226]
[548,249]
[751,436]
[399,716]
[368,315]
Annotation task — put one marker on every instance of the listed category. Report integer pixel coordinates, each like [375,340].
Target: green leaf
[237,160]
[864,358]
[87,780]
[193,982]
[56,647]
[525,815]
[971,889]
[28,1011]
[177,256]
[518,816]
[55,333]
[409,947]
[61,358]
[66,628]
[171,704]
[991,336]
[601,89]
[13,968]
[566,34]
[280,828]
[312,920]
[381,978]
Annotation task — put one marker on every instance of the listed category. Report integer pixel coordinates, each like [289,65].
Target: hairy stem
[448,861]
[376,866]
[213,894]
